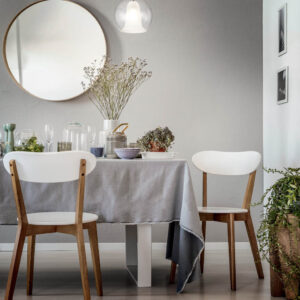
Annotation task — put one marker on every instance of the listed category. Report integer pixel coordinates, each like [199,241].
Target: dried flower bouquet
[110,86]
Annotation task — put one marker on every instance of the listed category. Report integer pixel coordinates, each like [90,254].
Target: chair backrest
[49,167]
[227,163]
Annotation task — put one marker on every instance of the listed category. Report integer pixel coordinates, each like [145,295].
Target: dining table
[137,193]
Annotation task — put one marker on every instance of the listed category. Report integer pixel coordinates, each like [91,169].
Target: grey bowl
[127,153]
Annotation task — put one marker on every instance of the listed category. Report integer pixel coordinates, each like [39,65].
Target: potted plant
[279,232]
[30,145]
[110,86]
[157,140]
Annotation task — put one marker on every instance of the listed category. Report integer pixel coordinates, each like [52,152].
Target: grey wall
[206,58]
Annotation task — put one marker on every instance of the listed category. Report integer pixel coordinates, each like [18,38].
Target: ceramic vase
[108,127]
[9,137]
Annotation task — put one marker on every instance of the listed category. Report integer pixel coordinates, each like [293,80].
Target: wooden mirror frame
[5,43]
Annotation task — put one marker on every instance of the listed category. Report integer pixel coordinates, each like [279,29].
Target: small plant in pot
[30,145]
[157,140]
[279,232]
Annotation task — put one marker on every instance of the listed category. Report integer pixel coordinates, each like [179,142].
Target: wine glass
[49,133]
[91,132]
[18,141]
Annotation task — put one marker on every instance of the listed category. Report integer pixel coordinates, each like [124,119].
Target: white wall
[206,58]
[281,123]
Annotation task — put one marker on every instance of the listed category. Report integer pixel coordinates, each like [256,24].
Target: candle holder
[9,142]
[64,146]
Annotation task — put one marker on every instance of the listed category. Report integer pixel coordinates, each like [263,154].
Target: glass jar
[28,140]
[26,134]
[22,137]
[76,134]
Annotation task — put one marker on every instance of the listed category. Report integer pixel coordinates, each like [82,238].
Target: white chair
[51,168]
[228,163]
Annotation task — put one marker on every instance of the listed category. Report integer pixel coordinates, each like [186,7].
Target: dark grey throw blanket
[123,191]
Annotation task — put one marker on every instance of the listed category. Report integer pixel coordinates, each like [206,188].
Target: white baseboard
[117,246]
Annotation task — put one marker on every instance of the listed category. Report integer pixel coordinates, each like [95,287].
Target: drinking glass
[91,132]
[49,133]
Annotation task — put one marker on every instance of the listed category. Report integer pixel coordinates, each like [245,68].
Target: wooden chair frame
[30,231]
[230,218]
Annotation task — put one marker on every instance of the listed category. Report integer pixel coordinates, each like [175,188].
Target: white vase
[110,124]
[108,127]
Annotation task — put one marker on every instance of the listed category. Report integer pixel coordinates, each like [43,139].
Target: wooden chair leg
[30,262]
[95,256]
[15,262]
[172,272]
[231,244]
[254,247]
[203,253]
[82,262]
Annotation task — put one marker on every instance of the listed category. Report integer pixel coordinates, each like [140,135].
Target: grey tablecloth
[120,191]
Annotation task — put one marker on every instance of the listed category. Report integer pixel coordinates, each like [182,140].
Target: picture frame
[282,30]
[282,85]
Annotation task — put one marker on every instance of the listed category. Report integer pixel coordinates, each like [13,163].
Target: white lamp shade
[133,16]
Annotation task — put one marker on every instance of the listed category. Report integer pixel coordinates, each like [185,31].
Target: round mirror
[48,44]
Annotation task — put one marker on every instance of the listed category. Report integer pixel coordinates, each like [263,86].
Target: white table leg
[139,253]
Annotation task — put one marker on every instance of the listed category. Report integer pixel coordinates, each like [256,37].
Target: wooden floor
[57,276]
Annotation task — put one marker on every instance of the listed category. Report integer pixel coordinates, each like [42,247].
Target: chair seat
[58,218]
[221,210]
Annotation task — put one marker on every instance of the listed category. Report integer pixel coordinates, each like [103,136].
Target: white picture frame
[282,30]
[282,85]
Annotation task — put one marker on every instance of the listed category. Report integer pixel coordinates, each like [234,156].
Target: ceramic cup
[97,151]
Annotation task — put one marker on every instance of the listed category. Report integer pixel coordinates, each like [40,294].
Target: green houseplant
[279,232]
[157,140]
[30,145]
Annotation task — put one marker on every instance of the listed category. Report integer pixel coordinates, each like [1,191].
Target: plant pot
[289,246]
[155,147]
[276,284]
